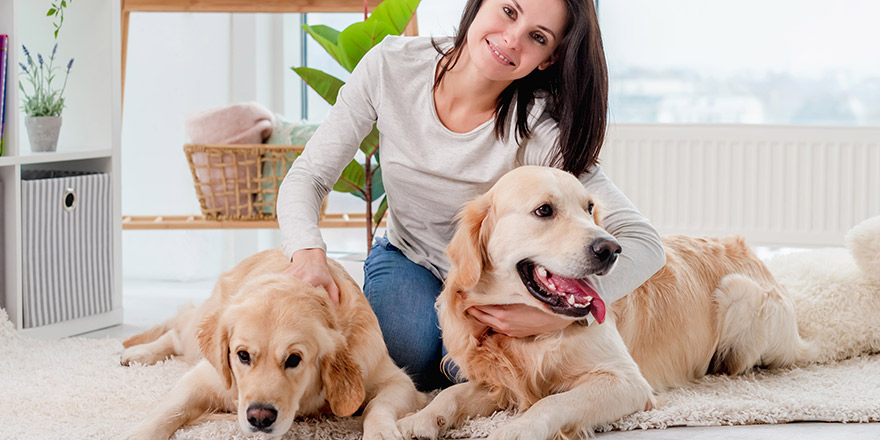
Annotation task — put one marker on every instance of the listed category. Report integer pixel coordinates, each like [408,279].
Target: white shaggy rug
[75,388]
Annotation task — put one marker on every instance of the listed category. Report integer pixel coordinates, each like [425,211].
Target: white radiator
[777,186]
[66,231]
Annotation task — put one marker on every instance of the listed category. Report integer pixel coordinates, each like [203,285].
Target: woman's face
[508,39]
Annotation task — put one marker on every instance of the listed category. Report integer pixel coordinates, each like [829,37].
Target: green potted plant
[42,105]
[364,180]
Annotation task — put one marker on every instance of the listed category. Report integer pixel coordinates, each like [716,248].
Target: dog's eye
[292,361]
[590,208]
[244,357]
[544,210]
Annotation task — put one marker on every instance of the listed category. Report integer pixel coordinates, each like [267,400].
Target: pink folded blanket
[227,180]
[245,123]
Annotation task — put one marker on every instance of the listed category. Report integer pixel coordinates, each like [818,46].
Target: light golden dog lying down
[276,348]
[712,307]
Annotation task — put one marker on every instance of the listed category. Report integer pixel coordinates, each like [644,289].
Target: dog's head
[279,344]
[533,238]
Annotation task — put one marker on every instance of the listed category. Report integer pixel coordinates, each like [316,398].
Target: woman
[523,82]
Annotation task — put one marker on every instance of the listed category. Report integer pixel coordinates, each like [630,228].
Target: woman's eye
[508,11]
[544,210]
[539,38]
[590,208]
[244,357]
[292,361]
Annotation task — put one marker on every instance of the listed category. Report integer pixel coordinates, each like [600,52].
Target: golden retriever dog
[712,307]
[276,348]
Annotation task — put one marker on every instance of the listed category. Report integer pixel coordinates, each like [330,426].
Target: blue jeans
[402,294]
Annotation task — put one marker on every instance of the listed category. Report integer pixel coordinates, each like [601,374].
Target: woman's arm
[642,254]
[327,153]
[313,174]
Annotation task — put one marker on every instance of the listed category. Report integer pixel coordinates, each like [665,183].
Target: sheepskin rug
[75,387]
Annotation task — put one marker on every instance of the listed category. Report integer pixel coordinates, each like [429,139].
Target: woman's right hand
[310,265]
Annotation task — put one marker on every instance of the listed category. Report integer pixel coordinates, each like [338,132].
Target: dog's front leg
[447,410]
[155,351]
[395,398]
[199,391]
[600,397]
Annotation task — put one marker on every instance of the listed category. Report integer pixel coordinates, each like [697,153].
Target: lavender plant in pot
[43,103]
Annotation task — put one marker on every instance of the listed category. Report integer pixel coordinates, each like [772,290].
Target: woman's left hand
[518,320]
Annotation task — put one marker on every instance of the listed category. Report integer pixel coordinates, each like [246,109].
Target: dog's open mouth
[565,296]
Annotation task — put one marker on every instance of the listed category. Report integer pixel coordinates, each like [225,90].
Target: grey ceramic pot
[43,132]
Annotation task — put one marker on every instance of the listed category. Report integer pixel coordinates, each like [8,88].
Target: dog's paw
[521,430]
[382,431]
[421,426]
[138,354]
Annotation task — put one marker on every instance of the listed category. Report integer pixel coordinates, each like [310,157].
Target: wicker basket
[240,182]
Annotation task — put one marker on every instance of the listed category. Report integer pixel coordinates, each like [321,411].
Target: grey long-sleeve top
[430,172]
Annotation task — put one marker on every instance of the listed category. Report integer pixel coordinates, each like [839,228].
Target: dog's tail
[757,325]
[863,241]
[147,336]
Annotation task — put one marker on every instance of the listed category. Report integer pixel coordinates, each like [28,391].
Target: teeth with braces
[503,58]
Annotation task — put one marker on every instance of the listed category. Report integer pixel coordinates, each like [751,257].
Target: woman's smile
[499,54]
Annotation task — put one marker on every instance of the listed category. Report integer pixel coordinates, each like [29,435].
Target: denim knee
[402,295]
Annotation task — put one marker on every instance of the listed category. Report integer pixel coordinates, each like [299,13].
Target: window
[809,62]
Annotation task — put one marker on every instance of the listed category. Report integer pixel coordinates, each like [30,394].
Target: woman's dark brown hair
[577,85]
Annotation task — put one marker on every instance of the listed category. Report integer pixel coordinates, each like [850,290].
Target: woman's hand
[310,265]
[518,320]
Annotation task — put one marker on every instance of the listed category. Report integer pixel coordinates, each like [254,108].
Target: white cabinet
[89,140]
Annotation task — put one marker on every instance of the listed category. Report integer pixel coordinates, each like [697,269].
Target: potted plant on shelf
[348,47]
[42,106]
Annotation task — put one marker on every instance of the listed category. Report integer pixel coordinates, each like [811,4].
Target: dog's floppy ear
[214,345]
[467,249]
[343,382]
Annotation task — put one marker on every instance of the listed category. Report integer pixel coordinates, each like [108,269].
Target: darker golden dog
[536,238]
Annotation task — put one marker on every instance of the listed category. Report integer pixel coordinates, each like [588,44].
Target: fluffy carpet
[75,388]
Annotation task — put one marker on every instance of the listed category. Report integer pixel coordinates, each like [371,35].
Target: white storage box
[66,246]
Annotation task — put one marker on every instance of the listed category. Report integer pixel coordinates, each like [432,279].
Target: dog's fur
[276,348]
[713,307]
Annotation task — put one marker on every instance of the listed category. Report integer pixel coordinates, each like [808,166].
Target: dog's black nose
[261,416]
[605,250]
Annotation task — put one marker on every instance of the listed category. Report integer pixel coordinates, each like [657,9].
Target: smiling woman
[523,82]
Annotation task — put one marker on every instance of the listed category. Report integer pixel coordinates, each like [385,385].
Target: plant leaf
[352,180]
[326,85]
[327,37]
[377,187]
[389,18]
[370,144]
[51,12]
[380,211]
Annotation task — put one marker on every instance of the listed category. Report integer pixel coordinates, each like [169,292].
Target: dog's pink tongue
[582,288]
